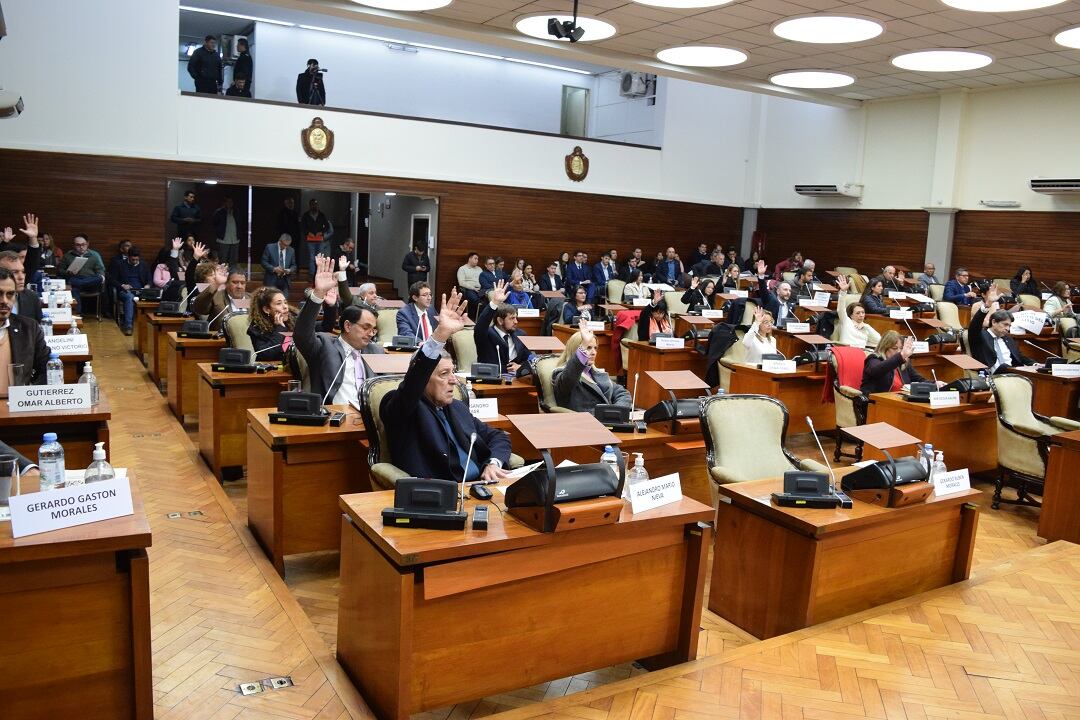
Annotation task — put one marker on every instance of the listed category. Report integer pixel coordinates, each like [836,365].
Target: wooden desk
[644,357]
[1047,340]
[967,433]
[799,391]
[884,323]
[141,331]
[295,474]
[74,365]
[531,326]
[61,328]
[686,323]
[76,430]
[934,362]
[182,384]
[604,356]
[779,569]
[158,343]
[1059,519]
[517,398]
[76,609]
[789,343]
[405,596]
[1054,396]
[224,399]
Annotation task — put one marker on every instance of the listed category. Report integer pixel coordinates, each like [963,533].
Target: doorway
[575,111]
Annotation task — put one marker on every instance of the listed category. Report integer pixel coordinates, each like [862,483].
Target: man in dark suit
[670,269]
[552,281]
[416,265]
[429,430]
[132,275]
[579,273]
[21,340]
[989,338]
[496,335]
[279,262]
[603,271]
[488,277]
[204,67]
[335,367]
[310,88]
[410,319]
[27,302]
[780,303]
[732,258]
[958,290]
[710,266]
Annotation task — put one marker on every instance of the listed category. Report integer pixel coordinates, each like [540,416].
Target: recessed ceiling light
[536,26]
[812,79]
[828,29]
[683,3]
[405,5]
[1069,37]
[207,11]
[210,182]
[942,60]
[701,56]
[996,6]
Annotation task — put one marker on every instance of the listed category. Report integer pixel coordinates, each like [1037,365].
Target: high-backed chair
[748,313]
[543,367]
[745,439]
[1030,302]
[463,348]
[845,271]
[235,325]
[858,283]
[614,291]
[948,314]
[386,325]
[788,276]
[734,355]
[1023,438]
[936,291]
[1003,283]
[851,403]
[630,336]
[675,305]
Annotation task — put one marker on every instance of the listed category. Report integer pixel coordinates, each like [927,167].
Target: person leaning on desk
[428,428]
[578,384]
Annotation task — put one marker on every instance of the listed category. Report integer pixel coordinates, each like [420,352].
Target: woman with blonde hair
[887,368]
[759,339]
[579,385]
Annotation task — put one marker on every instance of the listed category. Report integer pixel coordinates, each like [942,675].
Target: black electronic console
[486,374]
[920,392]
[168,308]
[480,518]
[806,489]
[654,336]
[238,360]
[403,343]
[299,408]
[614,417]
[196,330]
[426,503]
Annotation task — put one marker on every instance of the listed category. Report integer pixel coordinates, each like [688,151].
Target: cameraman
[310,89]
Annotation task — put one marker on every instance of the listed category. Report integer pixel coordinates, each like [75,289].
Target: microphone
[934,375]
[1042,349]
[832,475]
[223,311]
[633,400]
[465,472]
[498,354]
[266,348]
[331,384]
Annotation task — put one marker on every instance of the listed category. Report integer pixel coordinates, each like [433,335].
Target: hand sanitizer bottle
[99,469]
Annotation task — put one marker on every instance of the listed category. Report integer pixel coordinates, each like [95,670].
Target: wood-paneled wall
[865,239]
[996,243]
[114,198]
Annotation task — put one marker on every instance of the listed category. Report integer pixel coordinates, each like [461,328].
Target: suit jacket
[322,351]
[24,462]
[408,320]
[487,281]
[28,349]
[954,293]
[30,305]
[211,305]
[771,302]
[490,345]
[981,344]
[575,276]
[576,393]
[271,258]
[551,284]
[418,443]
[600,279]
[411,262]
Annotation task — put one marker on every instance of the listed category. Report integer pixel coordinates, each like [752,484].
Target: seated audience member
[635,287]
[732,258]
[929,275]
[1023,283]
[21,340]
[528,280]
[854,330]
[27,467]
[1059,304]
[132,275]
[702,254]
[759,339]
[700,295]
[632,265]
[669,268]
[497,339]
[427,427]
[888,279]
[730,279]
[335,368]
[873,297]
[367,294]
[238,89]
[51,255]
[167,271]
[500,270]
[418,319]
[225,293]
[552,281]
[603,271]
[563,263]
[279,262]
[488,276]
[270,320]
[711,266]
[577,383]
[989,338]
[116,264]
[579,274]
[781,304]
[517,296]
[90,277]
[468,280]
[958,290]
[887,368]
[752,261]
[27,302]
[804,283]
[792,265]
[577,306]
[654,317]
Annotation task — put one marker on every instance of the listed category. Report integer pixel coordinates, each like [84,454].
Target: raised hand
[177,243]
[694,283]
[7,235]
[842,283]
[586,333]
[759,314]
[30,226]
[200,251]
[908,348]
[452,316]
[343,263]
[221,276]
[993,293]
[499,292]
[324,276]
[657,296]
[761,267]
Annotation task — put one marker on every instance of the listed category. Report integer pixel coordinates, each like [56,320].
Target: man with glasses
[88,275]
[958,290]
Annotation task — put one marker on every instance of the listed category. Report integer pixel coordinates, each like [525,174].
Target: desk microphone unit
[614,417]
[654,336]
[148,294]
[299,408]
[486,374]
[403,343]
[237,360]
[889,483]
[426,503]
[196,330]
[919,392]
[168,308]
[536,498]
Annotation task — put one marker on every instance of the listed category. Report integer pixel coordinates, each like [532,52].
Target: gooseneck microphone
[832,475]
[223,311]
[465,472]
[1042,349]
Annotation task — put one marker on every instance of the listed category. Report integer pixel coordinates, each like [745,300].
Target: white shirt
[347,392]
[1004,357]
[757,346]
[863,336]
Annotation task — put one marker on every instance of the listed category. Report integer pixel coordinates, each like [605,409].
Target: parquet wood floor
[219,612]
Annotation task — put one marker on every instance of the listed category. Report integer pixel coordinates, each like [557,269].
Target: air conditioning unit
[633,84]
[1055,186]
[851,190]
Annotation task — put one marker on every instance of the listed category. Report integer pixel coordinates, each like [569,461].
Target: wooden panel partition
[113,198]
[996,243]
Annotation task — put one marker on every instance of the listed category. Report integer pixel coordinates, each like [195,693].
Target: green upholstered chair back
[845,270]
[936,291]
[614,291]
[464,349]
[734,354]
[543,367]
[675,305]
[948,314]
[744,437]
[386,324]
[1030,302]
[236,325]
[630,336]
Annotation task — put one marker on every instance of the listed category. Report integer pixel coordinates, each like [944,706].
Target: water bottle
[51,463]
[89,378]
[928,458]
[54,370]
[99,469]
[73,329]
[470,394]
[52,299]
[46,325]
[610,459]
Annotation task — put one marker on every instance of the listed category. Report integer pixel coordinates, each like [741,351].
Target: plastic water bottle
[73,329]
[610,459]
[470,394]
[52,299]
[99,469]
[89,378]
[54,370]
[928,458]
[46,325]
[51,463]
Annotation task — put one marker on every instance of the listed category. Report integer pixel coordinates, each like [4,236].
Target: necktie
[472,472]
[358,367]
[426,328]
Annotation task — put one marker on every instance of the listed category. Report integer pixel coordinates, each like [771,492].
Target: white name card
[1047,296]
[712,314]
[595,325]
[900,314]
[798,328]
[654,493]
[484,408]
[56,284]
[805,302]
[670,343]
[641,302]
[741,293]
[63,297]
[920,298]
[920,346]
[70,506]
[34,398]
[1064,370]
[60,315]
[69,344]
[944,398]
[897,295]
[778,366]
[822,298]
[528,312]
[1031,321]
[951,482]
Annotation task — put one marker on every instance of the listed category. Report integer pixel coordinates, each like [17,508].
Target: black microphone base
[278,418]
[197,335]
[807,501]
[256,368]
[450,520]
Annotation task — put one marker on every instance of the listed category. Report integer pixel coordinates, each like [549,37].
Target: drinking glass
[15,375]
[9,483]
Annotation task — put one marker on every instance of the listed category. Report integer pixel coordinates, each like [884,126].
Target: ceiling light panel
[828,29]
[701,56]
[942,60]
[405,5]
[1069,37]
[812,79]
[684,3]
[997,6]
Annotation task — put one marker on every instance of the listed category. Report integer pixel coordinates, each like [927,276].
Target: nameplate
[944,398]
[900,314]
[741,293]
[779,366]
[920,298]
[595,325]
[920,346]
[35,398]
[654,493]
[641,302]
[670,343]
[528,312]
[70,506]
[808,302]
[712,314]
[69,344]
[951,482]
[55,284]
[895,295]
[484,408]
[1064,370]
[1047,296]
[60,315]
[63,297]
[798,328]
[1031,321]
[822,298]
